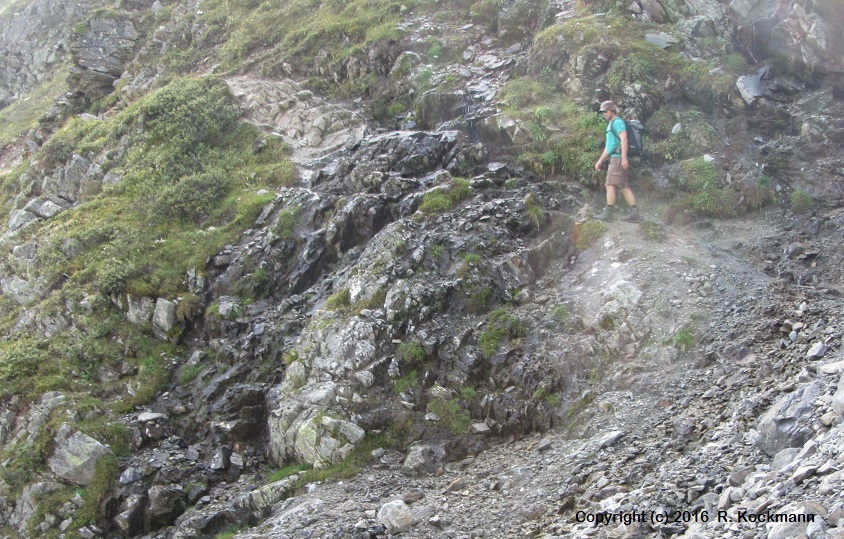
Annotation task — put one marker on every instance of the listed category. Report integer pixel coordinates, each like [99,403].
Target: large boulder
[323,441]
[788,422]
[165,504]
[76,456]
[100,49]
[396,516]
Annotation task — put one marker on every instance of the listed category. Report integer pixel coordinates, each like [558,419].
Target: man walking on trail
[615,150]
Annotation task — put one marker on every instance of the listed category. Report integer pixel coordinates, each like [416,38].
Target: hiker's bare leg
[611,195]
[628,196]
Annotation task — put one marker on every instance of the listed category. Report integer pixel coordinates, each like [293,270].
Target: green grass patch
[700,179]
[22,115]
[105,477]
[587,233]
[407,382]
[502,327]
[189,373]
[287,471]
[452,413]
[189,187]
[444,199]
[110,432]
[411,353]
[561,314]
[299,31]
[684,339]
[801,201]
[288,220]
[339,301]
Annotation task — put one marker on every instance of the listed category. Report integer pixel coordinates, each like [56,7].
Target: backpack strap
[612,130]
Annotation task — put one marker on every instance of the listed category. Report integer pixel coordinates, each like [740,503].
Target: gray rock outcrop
[100,51]
[76,456]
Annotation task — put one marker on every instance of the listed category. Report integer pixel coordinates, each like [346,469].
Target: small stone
[145,417]
[611,438]
[803,473]
[817,351]
[836,367]
[456,484]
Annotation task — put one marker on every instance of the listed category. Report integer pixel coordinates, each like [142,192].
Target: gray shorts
[616,175]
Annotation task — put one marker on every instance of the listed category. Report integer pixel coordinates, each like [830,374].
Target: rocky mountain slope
[329,270]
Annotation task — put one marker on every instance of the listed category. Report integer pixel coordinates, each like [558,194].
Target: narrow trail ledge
[689,328]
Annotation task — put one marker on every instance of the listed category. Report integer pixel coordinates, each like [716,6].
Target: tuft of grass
[587,233]
[287,471]
[801,201]
[411,353]
[444,199]
[406,382]
[534,211]
[700,179]
[105,477]
[339,301]
[437,251]
[561,314]
[502,327]
[684,339]
[189,373]
[288,220]
[652,230]
[760,194]
[452,413]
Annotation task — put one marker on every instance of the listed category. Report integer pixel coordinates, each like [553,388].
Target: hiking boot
[605,215]
[632,216]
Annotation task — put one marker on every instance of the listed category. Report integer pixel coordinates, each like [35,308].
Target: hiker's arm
[623,138]
[604,157]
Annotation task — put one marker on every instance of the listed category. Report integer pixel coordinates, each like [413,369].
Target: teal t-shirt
[613,144]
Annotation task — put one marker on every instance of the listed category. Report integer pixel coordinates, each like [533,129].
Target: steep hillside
[283,269]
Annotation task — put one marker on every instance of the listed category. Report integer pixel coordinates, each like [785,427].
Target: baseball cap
[607,105]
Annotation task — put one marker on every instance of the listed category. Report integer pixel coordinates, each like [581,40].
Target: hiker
[615,150]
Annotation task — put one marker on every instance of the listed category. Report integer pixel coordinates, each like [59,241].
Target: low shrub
[700,179]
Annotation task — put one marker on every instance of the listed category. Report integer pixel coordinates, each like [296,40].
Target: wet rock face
[808,34]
